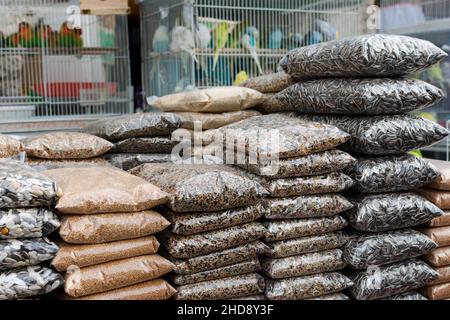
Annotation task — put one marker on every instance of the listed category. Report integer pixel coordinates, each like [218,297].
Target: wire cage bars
[204,43]
[58,64]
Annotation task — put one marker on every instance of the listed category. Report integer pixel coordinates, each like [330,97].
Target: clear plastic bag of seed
[156,145]
[127,161]
[27,223]
[407,296]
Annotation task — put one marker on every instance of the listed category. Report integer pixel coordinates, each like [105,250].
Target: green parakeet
[220,38]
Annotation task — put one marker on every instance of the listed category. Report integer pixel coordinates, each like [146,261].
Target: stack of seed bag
[107,247]
[352,91]
[25,221]
[213,240]
[9,147]
[439,230]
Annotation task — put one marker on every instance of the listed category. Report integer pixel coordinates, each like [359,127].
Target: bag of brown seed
[314,206]
[305,287]
[370,55]
[102,190]
[358,96]
[232,287]
[208,121]
[331,297]
[439,235]
[443,182]
[108,227]
[293,247]
[437,292]
[365,251]
[202,187]
[303,265]
[66,145]
[9,146]
[219,273]
[392,173]
[439,257]
[128,161]
[135,125]
[444,275]
[407,296]
[212,241]
[384,135]
[441,221]
[270,83]
[385,281]
[219,259]
[390,211]
[115,275]
[87,255]
[145,145]
[290,229]
[271,104]
[45,164]
[438,197]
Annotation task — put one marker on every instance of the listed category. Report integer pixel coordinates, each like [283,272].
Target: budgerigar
[161,40]
[203,41]
[220,36]
[275,39]
[183,41]
[188,14]
[249,42]
[241,77]
[328,32]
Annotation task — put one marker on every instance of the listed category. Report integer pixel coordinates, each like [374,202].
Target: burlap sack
[441,221]
[103,189]
[101,228]
[151,290]
[439,235]
[88,255]
[444,275]
[115,275]
[213,120]
[439,257]
[66,145]
[437,292]
[270,83]
[442,183]
[9,146]
[215,100]
[438,197]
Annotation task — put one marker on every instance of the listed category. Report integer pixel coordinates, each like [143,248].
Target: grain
[407,296]
[439,235]
[331,297]
[9,146]
[438,197]
[213,120]
[270,83]
[145,145]
[128,161]
[27,223]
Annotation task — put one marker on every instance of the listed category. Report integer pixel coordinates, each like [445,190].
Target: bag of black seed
[358,96]
[383,212]
[385,281]
[22,186]
[127,161]
[232,287]
[307,286]
[407,296]
[377,249]
[368,55]
[27,282]
[270,83]
[392,173]
[145,145]
[16,253]
[27,223]
[135,125]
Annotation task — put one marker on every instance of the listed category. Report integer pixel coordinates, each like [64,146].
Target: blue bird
[312,37]
[275,39]
[329,32]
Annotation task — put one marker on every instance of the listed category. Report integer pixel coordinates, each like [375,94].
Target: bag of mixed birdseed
[145,145]
[390,211]
[207,121]
[259,297]
[16,253]
[384,135]
[27,282]
[407,296]
[357,96]
[307,286]
[127,161]
[27,223]
[135,125]
[331,297]
[392,173]
[377,249]
[22,186]
[373,55]
[303,265]
[313,206]
[9,146]
[385,281]
[46,164]
[232,287]
[202,187]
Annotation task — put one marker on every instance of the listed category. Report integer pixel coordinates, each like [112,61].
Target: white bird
[183,41]
[188,14]
[161,39]
[202,36]
[250,45]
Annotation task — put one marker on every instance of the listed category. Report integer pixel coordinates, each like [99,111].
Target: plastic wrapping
[325,205]
[291,229]
[115,274]
[444,275]
[441,221]
[27,223]
[407,296]
[368,96]
[45,164]
[439,257]
[270,83]
[332,297]
[311,165]
[26,252]
[9,146]
[374,55]
[218,259]
[135,125]
[146,145]
[220,273]
[392,173]
[87,255]
[437,292]
[127,161]
[212,100]
[303,265]
[212,241]
[201,187]
[385,135]
[390,280]
[365,251]
[104,189]
[27,282]
[213,120]
[157,289]
[293,247]
[390,211]
[443,182]
[307,287]
[232,287]
[22,186]
[438,197]
[188,224]
[439,235]
[107,227]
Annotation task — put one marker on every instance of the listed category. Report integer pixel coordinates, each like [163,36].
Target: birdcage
[204,43]
[58,65]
